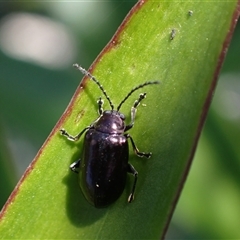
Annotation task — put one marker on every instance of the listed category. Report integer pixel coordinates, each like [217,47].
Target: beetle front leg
[72,138]
[134,110]
[140,154]
[75,166]
[133,171]
[100,106]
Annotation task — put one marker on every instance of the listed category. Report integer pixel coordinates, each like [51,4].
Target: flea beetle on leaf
[104,164]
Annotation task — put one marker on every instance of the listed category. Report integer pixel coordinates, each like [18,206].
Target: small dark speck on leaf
[190,12]
[173,34]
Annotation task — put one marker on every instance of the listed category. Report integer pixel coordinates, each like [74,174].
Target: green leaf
[157,41]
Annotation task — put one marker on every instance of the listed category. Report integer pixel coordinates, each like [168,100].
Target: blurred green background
[40,41]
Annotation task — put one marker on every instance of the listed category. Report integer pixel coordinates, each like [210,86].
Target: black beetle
[104,164]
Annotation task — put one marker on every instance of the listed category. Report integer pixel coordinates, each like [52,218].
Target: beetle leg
[72,138]
[140,154]
[133,171]
[100,106]
[74,166]
[134,110]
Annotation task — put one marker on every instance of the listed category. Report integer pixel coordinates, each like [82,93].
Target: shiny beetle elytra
[104,165]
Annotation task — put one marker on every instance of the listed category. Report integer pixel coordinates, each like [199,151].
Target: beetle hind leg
[133,171]
[140,154]
[75,166]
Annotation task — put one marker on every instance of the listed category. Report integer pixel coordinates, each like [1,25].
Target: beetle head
[110,122]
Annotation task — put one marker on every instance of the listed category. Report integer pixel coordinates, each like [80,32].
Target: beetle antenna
[86,73]
[133,90]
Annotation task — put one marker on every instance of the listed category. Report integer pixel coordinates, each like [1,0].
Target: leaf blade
[175,109]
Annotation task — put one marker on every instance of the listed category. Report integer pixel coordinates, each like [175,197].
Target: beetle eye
[122,116]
